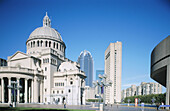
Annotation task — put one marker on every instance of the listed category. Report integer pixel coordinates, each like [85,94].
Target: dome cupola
[46,21]
[45,37]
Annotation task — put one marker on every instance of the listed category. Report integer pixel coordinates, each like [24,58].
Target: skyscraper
[86,64]
[113,71]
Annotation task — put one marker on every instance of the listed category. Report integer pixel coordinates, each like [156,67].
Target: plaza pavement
[86,107]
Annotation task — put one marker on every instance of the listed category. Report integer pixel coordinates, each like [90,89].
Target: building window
[53,92]
[41,43]
[33,43]
[57,45]
[46,43]
[57,92]
[71,82]
[49,44]
[54,45]
[45,68]
[62,92]
[38,43]
[69,90]
[45,89]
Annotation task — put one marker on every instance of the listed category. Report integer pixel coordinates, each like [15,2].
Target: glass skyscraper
[86,64]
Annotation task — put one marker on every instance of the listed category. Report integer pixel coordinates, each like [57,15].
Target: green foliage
[94,100]
[147,98]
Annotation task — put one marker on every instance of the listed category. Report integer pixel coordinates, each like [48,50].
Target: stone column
[36,90]
[1,90]
[2,82]
[32,90]
[26,90]
[9,90]
[29,89]
[84,100]
[18,92]
[41,91]
[168,86]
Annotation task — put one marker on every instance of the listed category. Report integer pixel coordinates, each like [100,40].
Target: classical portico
[30,82]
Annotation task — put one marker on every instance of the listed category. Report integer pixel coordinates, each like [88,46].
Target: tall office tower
[86,64]
[113,70]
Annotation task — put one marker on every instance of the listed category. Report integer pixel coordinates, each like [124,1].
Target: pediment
[18,55]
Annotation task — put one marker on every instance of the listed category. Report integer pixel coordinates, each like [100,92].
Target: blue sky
[91,25]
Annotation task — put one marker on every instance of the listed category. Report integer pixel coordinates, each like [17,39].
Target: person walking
[162,105]
[157,106]
[64,103]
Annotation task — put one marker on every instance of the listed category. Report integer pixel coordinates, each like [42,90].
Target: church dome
[67,66]
[46,31]
[45,38]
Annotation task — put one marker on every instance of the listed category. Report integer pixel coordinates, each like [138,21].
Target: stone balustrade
[17,69]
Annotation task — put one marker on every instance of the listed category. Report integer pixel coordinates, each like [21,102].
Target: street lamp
[14,87]
[104,84]
[128,101]
[153,100]
[96,83]
[139,100]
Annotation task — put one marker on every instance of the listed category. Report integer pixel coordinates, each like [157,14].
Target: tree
[147,98]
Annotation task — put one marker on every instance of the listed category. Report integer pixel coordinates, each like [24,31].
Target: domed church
[45,74]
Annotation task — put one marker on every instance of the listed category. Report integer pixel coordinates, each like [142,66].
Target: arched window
[41,43]
[38,44]
[46,43]
[60,46]
[49,44]
[71,81]
[33,43]
[57,45]
[54,45]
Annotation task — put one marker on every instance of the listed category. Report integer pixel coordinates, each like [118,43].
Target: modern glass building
[86,64]
[99,72]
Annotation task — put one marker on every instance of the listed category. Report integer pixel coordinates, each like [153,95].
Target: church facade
[45,74]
